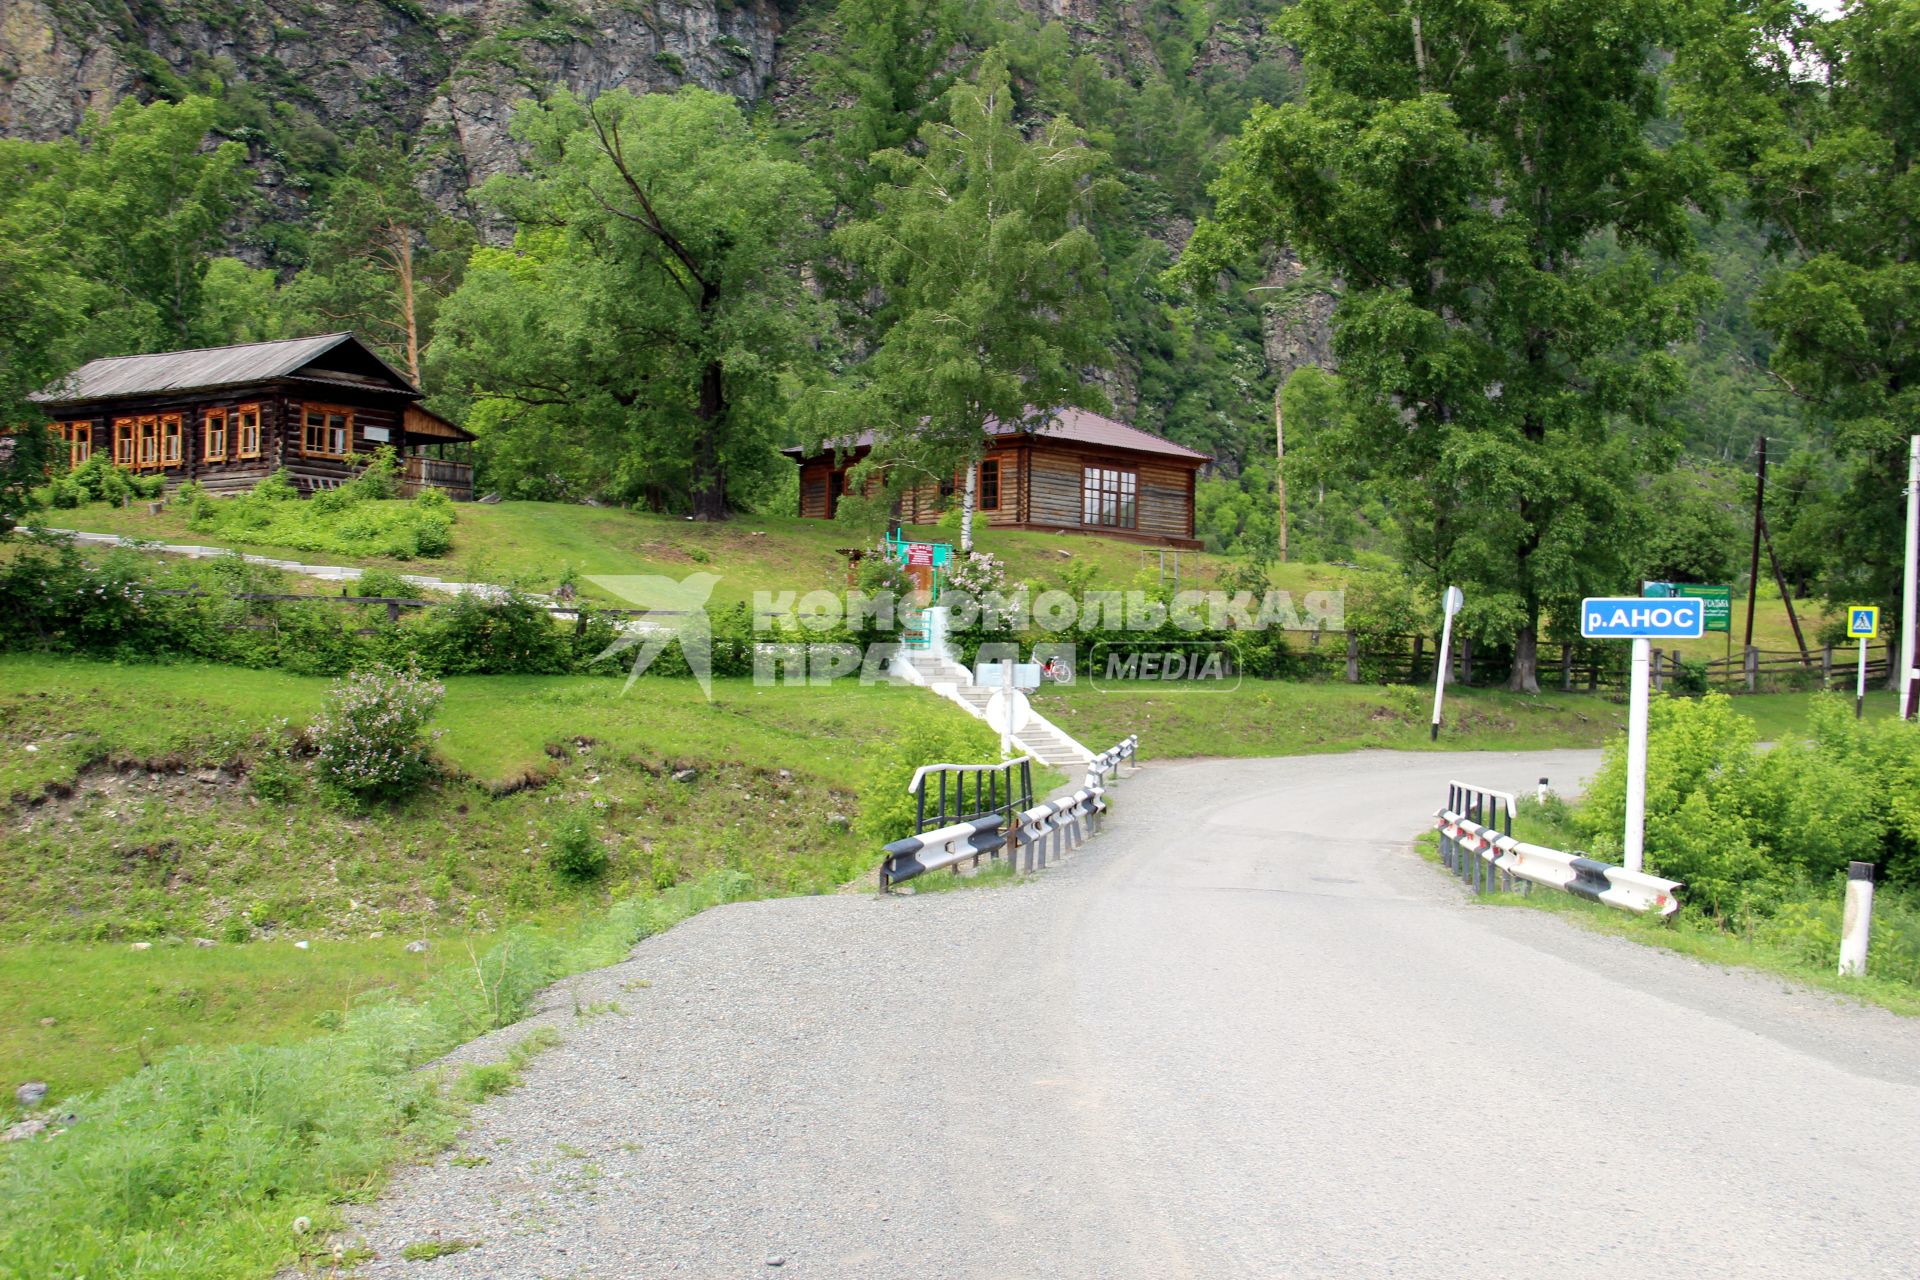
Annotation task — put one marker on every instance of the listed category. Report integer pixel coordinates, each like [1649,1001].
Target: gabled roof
[1073,426]
[167,371]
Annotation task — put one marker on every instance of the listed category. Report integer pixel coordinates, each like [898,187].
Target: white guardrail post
[1034,836]
[1476,850]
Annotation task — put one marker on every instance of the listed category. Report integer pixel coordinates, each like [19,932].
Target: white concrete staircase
[1041,738]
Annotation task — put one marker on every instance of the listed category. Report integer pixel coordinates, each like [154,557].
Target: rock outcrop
[314,72]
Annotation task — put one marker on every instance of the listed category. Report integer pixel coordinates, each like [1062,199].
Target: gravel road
[1244,1033]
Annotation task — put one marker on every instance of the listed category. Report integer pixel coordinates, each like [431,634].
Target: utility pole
[1759,518]
[1280,470]
[1907,582]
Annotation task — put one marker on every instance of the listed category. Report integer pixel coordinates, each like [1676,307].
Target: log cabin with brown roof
[228,417]
[1077,472]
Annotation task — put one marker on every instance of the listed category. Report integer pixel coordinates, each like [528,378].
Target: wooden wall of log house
[1042,486]
[280,427]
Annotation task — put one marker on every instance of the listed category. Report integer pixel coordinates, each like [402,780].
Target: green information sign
[1718,600]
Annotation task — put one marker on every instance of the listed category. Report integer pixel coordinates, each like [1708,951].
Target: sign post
[1641,621]
[1863,624]
[1454,599]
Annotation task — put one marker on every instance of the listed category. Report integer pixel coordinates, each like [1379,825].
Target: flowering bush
[371,740]
[977,573]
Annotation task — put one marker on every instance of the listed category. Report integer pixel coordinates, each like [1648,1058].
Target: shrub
[928,736]
[277,487]
[371,740]
[384,582]
[576,853]
[1690,680]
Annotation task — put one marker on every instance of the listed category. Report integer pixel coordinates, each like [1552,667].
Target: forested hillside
[638,247]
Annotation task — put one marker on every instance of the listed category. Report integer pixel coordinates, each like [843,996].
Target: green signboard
[1718,600]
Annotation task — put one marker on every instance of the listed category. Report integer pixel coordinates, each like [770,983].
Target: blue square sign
[1638,618]
[1863,621]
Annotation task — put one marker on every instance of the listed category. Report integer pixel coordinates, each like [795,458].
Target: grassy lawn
[1277,717]
[122,826]
[81,1015]
[535,543]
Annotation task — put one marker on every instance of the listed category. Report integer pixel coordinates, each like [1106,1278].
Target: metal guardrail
[1028,838]
[1478,851]
[1482,805]
[1110,760]
[947,847]
[1004,789]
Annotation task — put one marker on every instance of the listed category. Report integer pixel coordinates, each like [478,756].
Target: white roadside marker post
[1454,599]
[1642,621]
[1856,926]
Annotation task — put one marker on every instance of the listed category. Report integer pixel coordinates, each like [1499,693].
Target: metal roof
[1076,426]
[166,371]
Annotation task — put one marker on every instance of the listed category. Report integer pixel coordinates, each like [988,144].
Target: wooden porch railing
[435,473]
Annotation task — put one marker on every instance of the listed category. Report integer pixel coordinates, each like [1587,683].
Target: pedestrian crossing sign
[1863,622]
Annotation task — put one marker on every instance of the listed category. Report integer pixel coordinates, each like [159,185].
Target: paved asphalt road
[1244,1033]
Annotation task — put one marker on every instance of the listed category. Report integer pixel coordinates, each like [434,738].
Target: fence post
[1826,666]
[1419,647]
[1566,666]
[1658,673]
[1466,660]
[1353,658]
[1857,924]
[1753,669]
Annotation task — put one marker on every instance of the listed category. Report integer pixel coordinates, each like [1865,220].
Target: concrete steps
[1041,738]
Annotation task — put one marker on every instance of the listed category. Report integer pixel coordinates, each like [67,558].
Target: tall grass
[204,1165]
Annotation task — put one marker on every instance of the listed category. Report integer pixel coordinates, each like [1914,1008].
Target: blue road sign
[1634,618]
[1863,621]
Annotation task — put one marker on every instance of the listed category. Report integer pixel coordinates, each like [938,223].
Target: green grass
[534,543]
[1688,936]
[81,1015]
[1278,718]
[132,845]
[428,1250]
[233,1161]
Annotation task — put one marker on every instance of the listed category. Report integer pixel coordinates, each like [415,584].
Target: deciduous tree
[653,299]
[1456,165]
[1819,118]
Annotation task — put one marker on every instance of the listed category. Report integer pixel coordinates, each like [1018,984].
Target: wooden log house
[1077,473]
[228,417]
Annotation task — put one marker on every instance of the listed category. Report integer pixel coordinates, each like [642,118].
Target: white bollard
[1541,795]
[1857,924]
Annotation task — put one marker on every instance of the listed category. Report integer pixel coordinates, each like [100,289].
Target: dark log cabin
[230,416]
[1078,473]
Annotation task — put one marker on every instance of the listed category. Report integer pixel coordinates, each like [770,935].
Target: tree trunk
[966,509]
[1526,660]
[409,313]
[709,475]
[1280,470]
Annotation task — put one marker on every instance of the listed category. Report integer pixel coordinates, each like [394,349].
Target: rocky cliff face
[304,76]
[316,71]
